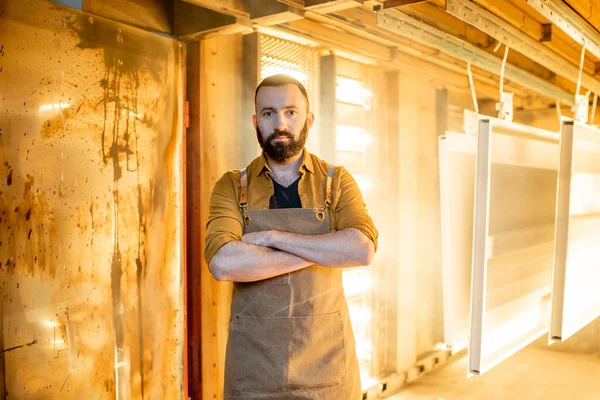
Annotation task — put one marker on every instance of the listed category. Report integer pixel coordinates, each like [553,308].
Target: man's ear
[310,119]
[254,121]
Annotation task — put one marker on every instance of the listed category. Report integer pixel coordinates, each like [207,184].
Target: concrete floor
[535,372]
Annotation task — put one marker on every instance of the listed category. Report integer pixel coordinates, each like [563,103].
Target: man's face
[282,121]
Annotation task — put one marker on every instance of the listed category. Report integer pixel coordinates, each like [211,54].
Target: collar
[307,163]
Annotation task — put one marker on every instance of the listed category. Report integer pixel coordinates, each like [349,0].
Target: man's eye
[292,112]
[268,114]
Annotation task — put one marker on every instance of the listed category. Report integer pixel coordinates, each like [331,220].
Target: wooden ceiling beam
[438,17]
[323,6]
[353,43]
[400,3]
[587,10]
[192,23]
[424,32]
[329,6]
[229,7]
[517,40]
[559,42]
[272,12]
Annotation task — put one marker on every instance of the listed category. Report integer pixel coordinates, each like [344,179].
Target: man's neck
[288,168]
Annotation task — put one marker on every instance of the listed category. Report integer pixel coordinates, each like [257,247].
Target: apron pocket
[261,354]
[317,353]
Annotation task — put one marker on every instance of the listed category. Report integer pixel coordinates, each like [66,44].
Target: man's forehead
[280,96]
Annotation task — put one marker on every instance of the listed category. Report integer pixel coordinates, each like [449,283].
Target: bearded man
[282,230]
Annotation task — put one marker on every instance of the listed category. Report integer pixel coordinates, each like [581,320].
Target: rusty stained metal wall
[91,223]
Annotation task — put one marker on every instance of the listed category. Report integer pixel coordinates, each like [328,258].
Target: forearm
[244,262]
[340,249]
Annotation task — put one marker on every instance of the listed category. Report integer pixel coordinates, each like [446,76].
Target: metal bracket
[505,107]
[580,109]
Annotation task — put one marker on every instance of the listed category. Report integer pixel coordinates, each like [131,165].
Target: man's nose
[281,122]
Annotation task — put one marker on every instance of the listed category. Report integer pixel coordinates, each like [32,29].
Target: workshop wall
[91,201]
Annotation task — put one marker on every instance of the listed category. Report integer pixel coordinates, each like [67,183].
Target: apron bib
[290,336]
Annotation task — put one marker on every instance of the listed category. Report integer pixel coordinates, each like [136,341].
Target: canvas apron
[290,336]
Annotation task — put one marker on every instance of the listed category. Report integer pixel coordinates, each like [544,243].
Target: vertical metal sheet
[512,241]
[575,300]
[91,223]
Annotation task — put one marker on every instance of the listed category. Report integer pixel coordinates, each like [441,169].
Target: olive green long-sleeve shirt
[225,220]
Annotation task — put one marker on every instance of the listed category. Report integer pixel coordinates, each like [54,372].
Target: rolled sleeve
[225,220]
[351,211]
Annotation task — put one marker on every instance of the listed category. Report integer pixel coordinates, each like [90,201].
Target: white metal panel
[507,249]
[575,297]
[512,240]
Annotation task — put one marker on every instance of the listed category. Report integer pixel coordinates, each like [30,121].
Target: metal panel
[512,242]
[480,233]
[575,299]
[91,207]
[457,178]
[408,26]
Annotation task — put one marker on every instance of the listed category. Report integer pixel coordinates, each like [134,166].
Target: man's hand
[259,238]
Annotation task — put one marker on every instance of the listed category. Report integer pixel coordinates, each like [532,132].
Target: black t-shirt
[285,197]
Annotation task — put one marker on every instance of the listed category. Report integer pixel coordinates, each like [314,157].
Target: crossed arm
[263,255]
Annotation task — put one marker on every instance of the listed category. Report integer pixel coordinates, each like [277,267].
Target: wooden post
[251,78]
[407,112]
[441,110]
[389,149]
[193,221]
[327,99]
[220,94]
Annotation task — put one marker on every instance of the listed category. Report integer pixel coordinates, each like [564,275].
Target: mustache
[279,134]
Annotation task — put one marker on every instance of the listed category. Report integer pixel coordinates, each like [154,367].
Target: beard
[282,151]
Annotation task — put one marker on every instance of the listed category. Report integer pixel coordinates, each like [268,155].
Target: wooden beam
[250,80]
[329,6]
[486,21]
[150,14]
[272,13]
[400,3]
[407,25]
[220,78]
[546,33]
[559,42]
[193,218]
[192,23]
[438,67]
[230,7]
[352,43]
[327,101]
[438,17]
[586,10]
[441,111]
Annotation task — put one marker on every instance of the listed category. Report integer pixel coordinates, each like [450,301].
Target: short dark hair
[282,80]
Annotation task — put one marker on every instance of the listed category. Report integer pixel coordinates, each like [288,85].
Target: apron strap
[329,183]
[244,188]
[244,195]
